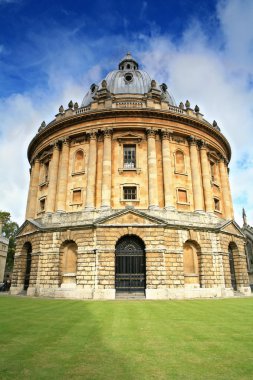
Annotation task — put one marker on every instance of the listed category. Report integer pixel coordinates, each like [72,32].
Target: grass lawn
[66,339]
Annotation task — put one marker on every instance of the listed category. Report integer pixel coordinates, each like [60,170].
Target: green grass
[66,339]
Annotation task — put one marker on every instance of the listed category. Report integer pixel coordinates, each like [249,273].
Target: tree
[9,230]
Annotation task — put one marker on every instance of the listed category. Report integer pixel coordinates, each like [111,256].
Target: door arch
[130,264]
[28,252]
[231,250]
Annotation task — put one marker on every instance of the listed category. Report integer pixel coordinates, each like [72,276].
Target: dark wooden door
[130,268]
[232,268]
[27,270]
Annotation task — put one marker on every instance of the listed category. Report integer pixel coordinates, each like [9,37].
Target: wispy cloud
[196,66]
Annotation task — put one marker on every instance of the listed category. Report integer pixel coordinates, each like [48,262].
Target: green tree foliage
[9,230]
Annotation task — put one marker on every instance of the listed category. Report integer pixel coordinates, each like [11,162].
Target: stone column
[33,190]
[206,178]
[53,176]
[167,171]
[63,177]
[152,169]
[196,176]
[107,170]
[227,205]
[91,172]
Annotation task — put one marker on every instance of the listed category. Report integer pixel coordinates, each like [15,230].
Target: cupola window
[128,77]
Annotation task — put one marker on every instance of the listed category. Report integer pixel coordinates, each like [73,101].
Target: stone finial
[244,217]
[153,83]
[42,126]
[104,84]
[187,104]
[181,105]
[75,106]
[70,105]
[196,109]
[164,87]
[61,109]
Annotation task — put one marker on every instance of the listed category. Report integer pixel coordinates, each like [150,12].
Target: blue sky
[51,51]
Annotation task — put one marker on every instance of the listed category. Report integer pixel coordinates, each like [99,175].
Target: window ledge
[175,172]
[218,211]
[41,212]
[129,200]
[137,170]
[184,203]
[78,173]
[42,184]
[76,204]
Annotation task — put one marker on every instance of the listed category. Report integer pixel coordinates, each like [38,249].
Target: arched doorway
[28,251]
[130,268]
[231,249]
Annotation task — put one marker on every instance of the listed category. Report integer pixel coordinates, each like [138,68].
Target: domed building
[129,194]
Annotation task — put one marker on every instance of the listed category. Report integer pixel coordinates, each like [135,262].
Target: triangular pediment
[130,218]
[129,136]
[28,227]
[232,228]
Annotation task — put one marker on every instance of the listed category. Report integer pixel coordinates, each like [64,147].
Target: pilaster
[152,169]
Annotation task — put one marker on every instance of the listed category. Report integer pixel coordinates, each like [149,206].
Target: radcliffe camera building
[129,193]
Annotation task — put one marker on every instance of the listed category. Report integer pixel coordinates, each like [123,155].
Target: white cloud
[194,68]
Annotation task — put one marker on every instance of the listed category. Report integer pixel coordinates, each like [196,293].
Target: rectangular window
[182,196]
[130,192]
[42,204]
[216,204]
[129,156]
[46,169]
[77,196]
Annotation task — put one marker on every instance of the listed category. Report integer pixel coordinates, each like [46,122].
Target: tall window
[129,156]
[191,264]
[216,204]
[179,162]
[79,162]
[213,171]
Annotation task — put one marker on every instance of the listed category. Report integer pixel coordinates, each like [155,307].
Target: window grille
[129,156]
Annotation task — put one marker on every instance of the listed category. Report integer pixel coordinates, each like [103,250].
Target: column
[167,171]
[152,169]
[33,190]
[206,178]
[107,170]
[53,175]
[91,172]
[227,204]
[196,176]
[63,176]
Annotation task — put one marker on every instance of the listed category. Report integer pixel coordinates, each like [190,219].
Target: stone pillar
[206,178]
[227,204]
[167,171]
[107,170]
[53,176]
[63,177]
[152,169]
[196,176]
[33,190]
[91,172]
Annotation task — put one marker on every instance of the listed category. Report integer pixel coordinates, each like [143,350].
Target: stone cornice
[56,126]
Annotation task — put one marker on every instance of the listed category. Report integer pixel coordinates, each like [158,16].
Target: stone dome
[128,79]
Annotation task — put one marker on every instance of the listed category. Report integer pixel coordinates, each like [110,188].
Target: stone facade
[129,165]
[248,232]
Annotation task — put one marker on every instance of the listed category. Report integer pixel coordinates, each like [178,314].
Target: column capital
[192,140]
[151,133]
[223,159]
[65,140]
[55,144]
[107,132]
[166,135]
[202,144]
[92,134]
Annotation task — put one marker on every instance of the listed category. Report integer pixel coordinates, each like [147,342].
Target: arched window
[191,263]
[68,261]
[232,250]
[179,162]
[78,162]
[27,252]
